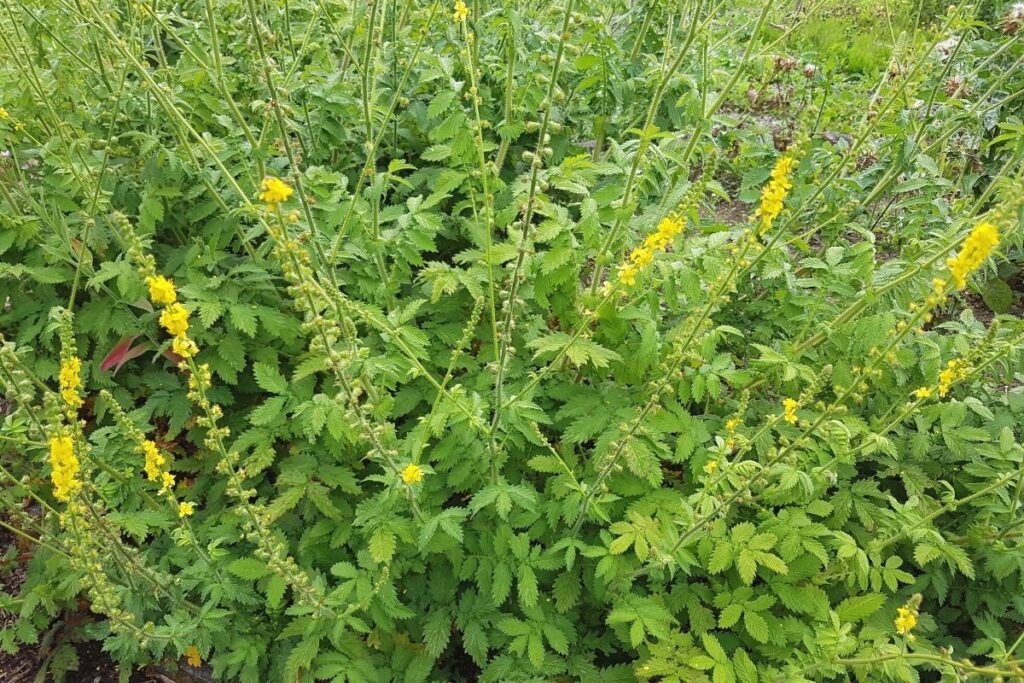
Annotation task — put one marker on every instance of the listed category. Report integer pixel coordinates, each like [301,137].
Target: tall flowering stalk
[691,329]
[314,299]
[156,462]
[610,288]
[976,248]
[657,389]
[88,539]
[174,319]
[64,463]
[310,299]
[774,193]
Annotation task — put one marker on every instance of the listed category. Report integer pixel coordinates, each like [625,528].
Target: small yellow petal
[412,474]
[161,290]
[275,191]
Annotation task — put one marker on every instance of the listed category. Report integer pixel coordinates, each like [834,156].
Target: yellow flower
[161,290]
[156,466]
[711,466]
[774,193]
[70,381]
[4,115]
[275,191]
[955,370]
[972,254]
[64,466]
[642,256]
[461,11]
[186,510]
[671,226]
[923,392]
[906,620]
[155,460]
[184,347]
[780,174]
[628,273]
[412,474]
[175,319]
[790,406]
[192,656]
[731,424]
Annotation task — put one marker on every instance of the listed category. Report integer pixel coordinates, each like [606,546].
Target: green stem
[510,61]
[959,665]
[505,341]
[1002,481]
[368,167]
[625,209]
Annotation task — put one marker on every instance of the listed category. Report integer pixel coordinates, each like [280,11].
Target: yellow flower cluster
[4,114]
[71,381]
[659,240]
[275,191]
[161,290]
[711,466]
[174,316]
[175,319]
[789,407]
[64,466]
[412,474]
[955,370]
[923,392]
[975,250]
[184,347]
[461,11]
[156,466]
[730,429]
[774,193]
[186,509]
[906,620]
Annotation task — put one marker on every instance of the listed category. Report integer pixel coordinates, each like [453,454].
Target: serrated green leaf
[248,568]
[269,378]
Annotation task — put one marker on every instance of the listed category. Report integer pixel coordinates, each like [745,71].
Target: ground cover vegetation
[408,340]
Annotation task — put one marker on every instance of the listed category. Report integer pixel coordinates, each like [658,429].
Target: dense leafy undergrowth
[519,341]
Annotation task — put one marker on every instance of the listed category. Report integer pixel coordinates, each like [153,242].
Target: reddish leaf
[122,352]
[173,357]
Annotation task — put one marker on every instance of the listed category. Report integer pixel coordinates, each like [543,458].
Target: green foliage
[432,432]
